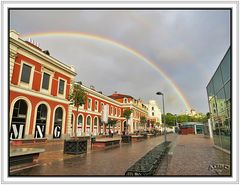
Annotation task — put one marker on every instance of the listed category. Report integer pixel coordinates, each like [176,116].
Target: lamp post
[176,119]
[164,120]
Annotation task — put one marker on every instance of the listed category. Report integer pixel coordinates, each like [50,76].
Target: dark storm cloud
[188,45]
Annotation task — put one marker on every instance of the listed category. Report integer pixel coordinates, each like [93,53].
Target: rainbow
[123,47]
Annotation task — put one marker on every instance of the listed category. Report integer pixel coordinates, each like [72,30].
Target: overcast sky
[188,45]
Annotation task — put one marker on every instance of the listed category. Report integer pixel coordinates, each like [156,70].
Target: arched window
[80,120]
[41,120]
[19,118]
[57,129]
[88,128]
[79,125]
[95,121]
[95,129]
[88,121]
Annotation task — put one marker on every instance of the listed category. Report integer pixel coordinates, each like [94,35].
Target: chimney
[46,52]
[92,87]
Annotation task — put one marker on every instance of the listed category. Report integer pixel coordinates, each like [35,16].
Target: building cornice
[30,92]
[21,44]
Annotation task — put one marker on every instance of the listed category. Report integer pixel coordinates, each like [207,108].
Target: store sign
[17,131]
[40,131]
[57,131]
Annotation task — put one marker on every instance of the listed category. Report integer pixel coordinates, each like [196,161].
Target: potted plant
[77,98]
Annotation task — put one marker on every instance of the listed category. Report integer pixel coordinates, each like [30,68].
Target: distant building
[138,108]
[219,100]
[154,112]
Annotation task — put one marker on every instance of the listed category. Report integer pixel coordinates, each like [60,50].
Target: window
[152,113]
[125,100]
[111,110]
[227,90]
[119,112]
[41,121]
[210,90]
[102,106]
[152,108]
[95,121]
[88,120]
[225,67]
[220,100]
[80,120]
[61,86]
[217,81]
[89,104]
[96,105]
[19,119]
[57,127]
[26,73]
[45,81]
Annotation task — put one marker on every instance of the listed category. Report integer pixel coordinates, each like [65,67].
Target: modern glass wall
[219,100]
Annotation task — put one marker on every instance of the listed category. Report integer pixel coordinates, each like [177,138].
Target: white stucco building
[154,112]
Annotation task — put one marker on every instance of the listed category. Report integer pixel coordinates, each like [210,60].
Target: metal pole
[165,134]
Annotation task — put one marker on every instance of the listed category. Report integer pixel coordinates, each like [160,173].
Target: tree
[126,114]
[77,97]
[157,124]
[169,118]
[143,120]
[111,122]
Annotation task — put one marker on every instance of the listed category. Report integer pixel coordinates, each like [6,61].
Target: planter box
[106,143]
[126,139]
[75,146]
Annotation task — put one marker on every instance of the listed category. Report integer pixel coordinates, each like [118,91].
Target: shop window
[41,120]
[57,129]
[18,120]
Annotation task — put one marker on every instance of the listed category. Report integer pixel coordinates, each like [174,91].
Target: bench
[23,157]
[136,138]
[17,142]
[147,165]
[106,143]
[150,135]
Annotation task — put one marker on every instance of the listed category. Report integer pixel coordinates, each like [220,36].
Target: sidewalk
[195,155]
[110,162]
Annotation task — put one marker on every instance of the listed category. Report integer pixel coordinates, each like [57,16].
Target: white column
[68,121]
[210,128]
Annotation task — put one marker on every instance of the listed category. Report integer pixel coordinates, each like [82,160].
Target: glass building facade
[219,100]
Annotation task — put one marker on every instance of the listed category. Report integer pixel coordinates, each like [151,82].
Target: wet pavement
[195,155]
[189,155]
[113,161]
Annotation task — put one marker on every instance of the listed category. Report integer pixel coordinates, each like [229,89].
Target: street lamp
[164,120]
[176,119]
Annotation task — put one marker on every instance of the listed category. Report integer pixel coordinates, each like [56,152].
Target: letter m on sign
[16,131]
